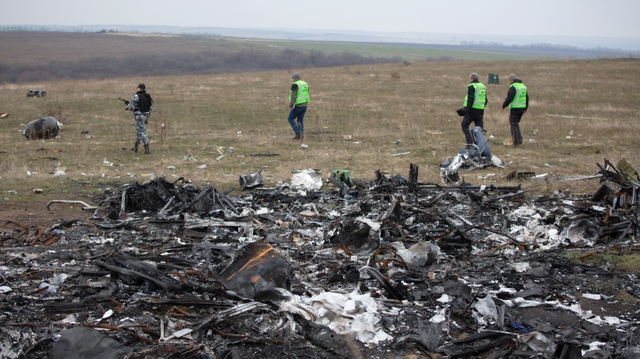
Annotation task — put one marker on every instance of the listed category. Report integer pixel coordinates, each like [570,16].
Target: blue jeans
[297,113]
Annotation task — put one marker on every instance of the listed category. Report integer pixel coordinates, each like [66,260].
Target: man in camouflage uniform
[141,104]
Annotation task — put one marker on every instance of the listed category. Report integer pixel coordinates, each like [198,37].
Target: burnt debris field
[386,268]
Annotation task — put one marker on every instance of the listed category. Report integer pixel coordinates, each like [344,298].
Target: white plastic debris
[58,279]
[51,289]
[4,289]
[352,313]
[70,319]
[582,232]
[59,173]
[418,254]
[592,296]
[310,178]
[440,316]
[487,308]
[182,332]
[521,267]
[107,314]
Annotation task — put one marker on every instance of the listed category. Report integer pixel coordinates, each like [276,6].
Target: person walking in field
[298,101]
[518,102]
[141,104]
[474,104]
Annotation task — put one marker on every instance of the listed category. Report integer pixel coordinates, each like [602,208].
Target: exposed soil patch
[35,213]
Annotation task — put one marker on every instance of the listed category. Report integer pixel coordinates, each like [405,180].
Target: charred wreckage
[389,268]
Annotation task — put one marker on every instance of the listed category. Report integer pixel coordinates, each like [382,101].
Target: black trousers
[515,115]
[474,116]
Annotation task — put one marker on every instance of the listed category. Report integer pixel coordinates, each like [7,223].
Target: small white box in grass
[354,258]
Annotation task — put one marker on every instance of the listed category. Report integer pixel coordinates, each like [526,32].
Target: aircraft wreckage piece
[85,205]
[42,128]
[479,157]
[169,199]
[258,268]
[251,180]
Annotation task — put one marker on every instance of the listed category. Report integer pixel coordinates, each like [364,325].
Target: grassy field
[40,48]
[581,112]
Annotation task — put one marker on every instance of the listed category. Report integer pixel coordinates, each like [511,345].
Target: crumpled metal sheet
[258,267]
[85,343]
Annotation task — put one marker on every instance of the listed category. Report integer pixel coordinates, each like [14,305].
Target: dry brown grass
[581,112]
[39,48]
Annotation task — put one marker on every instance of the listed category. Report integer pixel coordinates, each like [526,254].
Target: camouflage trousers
[141,131]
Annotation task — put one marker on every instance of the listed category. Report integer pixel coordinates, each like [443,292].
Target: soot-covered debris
[387,268]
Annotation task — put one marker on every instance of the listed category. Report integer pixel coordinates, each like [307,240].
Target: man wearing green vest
[518,101]
[474,104]
[298,101]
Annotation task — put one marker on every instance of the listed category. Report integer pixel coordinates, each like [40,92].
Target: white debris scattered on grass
[592,296]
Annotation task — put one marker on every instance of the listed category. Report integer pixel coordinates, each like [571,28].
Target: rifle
[123,100]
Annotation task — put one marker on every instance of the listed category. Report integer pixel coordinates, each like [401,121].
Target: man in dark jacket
[474,104]
[141,104]
[518,101]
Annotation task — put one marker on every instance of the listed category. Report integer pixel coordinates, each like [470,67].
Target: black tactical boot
[135,146]
[296,137]
[146,149]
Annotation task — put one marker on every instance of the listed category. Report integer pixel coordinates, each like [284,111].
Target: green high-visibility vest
[520,99]
[480,96]
[303,92]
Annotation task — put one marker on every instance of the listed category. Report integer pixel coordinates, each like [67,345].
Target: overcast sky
[591,18]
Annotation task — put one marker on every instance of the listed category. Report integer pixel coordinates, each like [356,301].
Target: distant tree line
[228,61]
[551,50]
